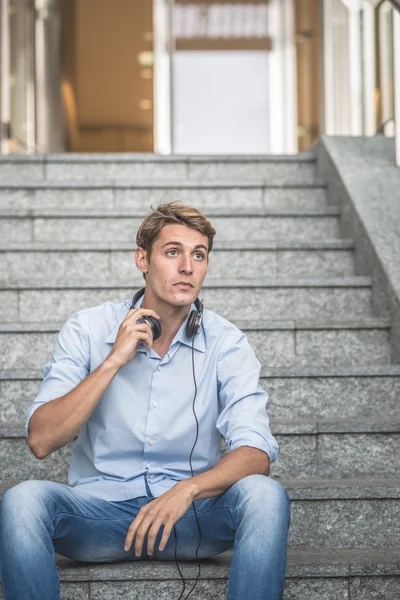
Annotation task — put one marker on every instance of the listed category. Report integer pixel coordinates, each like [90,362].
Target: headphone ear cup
[190,327]
[193,324]
[155,326]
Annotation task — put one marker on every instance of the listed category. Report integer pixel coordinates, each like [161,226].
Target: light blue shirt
[144,425]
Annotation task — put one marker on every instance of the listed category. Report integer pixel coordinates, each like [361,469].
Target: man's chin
[182,297]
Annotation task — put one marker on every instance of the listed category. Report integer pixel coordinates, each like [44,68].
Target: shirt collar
[180,336]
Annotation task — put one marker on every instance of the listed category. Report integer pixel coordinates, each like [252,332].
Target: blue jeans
[39,518]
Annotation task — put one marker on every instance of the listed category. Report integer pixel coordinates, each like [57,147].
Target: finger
[144,327]
[165,536]
[147,338]
[152,535]
[133,528]
[139,312]
[141,534]
[143,332]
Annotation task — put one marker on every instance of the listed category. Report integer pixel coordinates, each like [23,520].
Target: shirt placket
[154,404]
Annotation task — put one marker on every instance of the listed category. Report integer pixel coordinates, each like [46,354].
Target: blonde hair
[172,212]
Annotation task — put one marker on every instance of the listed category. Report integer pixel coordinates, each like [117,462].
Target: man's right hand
[129,336]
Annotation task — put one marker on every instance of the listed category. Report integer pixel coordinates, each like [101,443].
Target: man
[129,399]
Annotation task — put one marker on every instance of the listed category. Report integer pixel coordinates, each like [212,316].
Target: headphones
[193,328]
[193,325]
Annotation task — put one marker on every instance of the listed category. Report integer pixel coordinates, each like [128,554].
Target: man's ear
[141,259]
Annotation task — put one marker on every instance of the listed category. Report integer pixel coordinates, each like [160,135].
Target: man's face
[178,254]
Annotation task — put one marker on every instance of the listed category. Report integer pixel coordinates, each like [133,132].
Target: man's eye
[197,253]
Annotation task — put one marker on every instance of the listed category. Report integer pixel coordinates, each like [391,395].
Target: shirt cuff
[270,446]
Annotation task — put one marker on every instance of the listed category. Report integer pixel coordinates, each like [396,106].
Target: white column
[50,120]
[162,76]
[369,66]
[354,33]
[386,67]
[336,68]
[282,78]
[327,71]
[5,107]
[30,84]
[396,38]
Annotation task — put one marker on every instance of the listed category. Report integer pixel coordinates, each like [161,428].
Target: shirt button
[159,368]
[155,403]
[151,442]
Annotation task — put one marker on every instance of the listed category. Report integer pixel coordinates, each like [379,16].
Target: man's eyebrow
[180,244]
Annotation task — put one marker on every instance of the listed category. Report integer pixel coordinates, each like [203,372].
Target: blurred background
[207,77]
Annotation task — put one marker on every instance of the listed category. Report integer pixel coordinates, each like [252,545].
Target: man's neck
[171,319]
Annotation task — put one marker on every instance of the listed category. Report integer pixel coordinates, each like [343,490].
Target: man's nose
[186,263]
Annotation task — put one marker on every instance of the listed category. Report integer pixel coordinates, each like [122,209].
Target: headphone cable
[194,508]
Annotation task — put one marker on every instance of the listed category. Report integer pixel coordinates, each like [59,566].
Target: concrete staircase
[281,271]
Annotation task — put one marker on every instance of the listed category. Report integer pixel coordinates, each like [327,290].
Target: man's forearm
[58,421]
[231,468]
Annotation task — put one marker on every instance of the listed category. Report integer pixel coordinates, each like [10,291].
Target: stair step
[52,260]
[237,196]
[261,282]
[244,324]
[276,170]
[315,488]
[108,228]
[307,449]
[238,244]
[359,424]
[311,574]
[330,298]
[276,343]
[61,213]
[331,393]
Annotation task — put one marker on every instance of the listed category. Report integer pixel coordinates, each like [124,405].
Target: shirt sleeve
[243,420]
[69,365]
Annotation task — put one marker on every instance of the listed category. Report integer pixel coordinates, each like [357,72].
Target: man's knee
[24,498]
[261,491]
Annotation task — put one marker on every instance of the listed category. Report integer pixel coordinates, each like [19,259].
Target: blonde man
[129,401]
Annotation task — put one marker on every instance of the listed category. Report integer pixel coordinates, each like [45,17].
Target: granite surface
[277,348]
[104,264]
[238,197]
[362,178]
[56,303]
[313,397]
[92,229]
[274,173]
[305,450]
[311,574]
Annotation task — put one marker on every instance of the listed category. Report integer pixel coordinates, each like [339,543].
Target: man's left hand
[165,510]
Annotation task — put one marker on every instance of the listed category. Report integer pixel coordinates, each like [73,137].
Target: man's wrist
[191,486]
[111,365]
